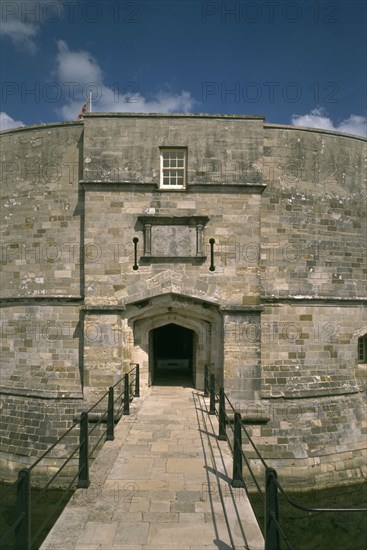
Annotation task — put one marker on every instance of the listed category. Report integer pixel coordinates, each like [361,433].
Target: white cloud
[318,118]
[355,124]
[80,67]
[83,70]
[21,34]
[21,21]
[6,122]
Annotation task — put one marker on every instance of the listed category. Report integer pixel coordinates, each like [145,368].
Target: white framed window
[173,168]
[362,349]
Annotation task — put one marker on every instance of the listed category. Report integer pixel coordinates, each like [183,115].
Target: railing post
[137,381]
[206,381]
[237,479]
[212,394]
[126,395]
[23,533]
[110,435]
[222,415]
[83,479]
[271,510]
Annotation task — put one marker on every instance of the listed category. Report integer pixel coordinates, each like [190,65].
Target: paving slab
[163,483]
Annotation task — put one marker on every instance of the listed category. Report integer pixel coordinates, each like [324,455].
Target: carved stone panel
[171,238]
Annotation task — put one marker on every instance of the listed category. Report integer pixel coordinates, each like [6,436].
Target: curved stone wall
[279,317]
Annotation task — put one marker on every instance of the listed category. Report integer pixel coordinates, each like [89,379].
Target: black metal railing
[118,397]
[271,528]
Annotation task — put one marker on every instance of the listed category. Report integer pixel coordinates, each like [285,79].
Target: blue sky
[301,62]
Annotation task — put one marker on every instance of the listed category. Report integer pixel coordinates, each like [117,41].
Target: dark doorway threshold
[173,356]
[172,378]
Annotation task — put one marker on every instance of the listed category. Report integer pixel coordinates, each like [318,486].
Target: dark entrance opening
[173,355]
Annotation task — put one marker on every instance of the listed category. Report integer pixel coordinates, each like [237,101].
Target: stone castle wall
[278,319]
[313,228]
[41,212]
[313,274]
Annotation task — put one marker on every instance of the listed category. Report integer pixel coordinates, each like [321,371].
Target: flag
[84,110]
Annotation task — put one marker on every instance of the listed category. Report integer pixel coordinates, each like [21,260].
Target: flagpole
[90,101]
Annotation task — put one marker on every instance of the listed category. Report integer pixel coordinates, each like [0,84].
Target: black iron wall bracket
[212,243]
[135,241]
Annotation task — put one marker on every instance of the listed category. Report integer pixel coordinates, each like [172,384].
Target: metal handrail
[53,446]
[307,509]
[272,528]
[40,495]
[21,527]
[98,402]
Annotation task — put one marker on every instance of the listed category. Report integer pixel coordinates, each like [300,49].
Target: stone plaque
[173,240]
[173,237]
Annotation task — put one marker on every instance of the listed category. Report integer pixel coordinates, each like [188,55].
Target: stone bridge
[163,483]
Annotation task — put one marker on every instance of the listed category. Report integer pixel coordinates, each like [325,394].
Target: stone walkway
[162,484]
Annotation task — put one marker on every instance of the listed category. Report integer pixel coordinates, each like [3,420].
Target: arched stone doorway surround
[200,316]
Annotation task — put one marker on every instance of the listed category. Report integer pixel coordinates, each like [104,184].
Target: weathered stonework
[278,317]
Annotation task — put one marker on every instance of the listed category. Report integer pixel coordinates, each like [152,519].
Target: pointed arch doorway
[172,355]
[175,328]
